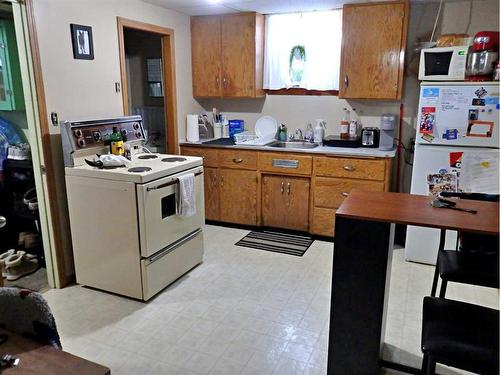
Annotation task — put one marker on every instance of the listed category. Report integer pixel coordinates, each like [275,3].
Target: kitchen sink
[293,144]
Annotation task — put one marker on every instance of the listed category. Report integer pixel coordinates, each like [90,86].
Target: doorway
[148,81]
[23,235]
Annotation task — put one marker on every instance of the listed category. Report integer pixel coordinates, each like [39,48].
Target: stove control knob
[97,136]
[81,142]
[124,132]
[136,125]
[138,134]
[78,133]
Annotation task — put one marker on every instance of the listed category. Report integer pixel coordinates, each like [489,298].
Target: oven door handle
[170,183]
[172,247]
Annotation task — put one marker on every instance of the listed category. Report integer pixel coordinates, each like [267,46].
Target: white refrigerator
[456,149]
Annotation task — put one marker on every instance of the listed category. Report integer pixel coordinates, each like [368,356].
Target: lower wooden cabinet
[284,190]
[331,192]
[285,202]
[238,196]
[212,195]
[323,221]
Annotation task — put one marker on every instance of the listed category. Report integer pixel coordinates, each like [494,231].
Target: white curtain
[320,33]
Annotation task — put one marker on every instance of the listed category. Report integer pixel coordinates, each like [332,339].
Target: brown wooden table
[364,237]
[38,359]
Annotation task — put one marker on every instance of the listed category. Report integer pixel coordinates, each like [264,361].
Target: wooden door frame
[48,158]
[168,57]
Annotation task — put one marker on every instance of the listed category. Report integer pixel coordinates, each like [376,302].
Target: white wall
[470,16]
[81,89]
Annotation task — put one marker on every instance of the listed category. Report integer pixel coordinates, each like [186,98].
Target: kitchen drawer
[367,169]
[168,265]
[209,155]
[285,163]
[238,159]
[331,192]
[323,222]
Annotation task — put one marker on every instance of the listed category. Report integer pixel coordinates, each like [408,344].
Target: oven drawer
[168,265]
[159,223]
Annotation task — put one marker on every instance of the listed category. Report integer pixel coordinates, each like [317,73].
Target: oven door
[159,223]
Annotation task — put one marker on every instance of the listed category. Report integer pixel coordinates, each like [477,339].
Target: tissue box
[235,127]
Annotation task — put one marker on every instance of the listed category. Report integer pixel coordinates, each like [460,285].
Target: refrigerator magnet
[456,159]
[428,137]
[427,120]
[482,129]
[450,134]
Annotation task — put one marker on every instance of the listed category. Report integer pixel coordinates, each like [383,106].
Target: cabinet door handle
[288,186]
[238,160]
[346,81]
[224,82]
[217,81]
[214,181]
[345,194]
[349,168]
[221,180]
[282,187]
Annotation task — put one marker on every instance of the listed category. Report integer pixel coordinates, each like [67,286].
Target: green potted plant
[297,64]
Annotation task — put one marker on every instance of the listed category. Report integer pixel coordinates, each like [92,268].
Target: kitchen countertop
[345,151]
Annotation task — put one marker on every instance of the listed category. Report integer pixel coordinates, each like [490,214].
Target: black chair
[476,259]
[460,335]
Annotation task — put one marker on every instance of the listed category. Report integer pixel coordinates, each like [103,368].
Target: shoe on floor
[19,265]
[3,257]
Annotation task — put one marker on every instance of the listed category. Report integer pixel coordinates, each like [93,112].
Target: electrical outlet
[54,119]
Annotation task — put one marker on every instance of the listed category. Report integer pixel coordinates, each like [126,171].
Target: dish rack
[249,138]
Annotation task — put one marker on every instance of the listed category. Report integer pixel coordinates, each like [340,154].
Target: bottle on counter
[319,131]
[225,127]
[282,133]
[309,134]
[116,142]
[344,124]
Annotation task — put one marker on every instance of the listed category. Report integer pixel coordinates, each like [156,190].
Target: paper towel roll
[192,131]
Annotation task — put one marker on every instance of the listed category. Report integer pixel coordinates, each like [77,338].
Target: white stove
[128,237]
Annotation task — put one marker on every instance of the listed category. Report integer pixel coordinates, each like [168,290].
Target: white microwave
[443,63]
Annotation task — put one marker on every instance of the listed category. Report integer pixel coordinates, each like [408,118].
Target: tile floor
[243,311]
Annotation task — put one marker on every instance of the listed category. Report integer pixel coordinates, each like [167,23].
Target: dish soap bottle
[116,140]
[344,124]
[319,131]
[282,133]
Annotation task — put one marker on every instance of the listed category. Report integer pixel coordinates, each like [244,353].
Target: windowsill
[301,91]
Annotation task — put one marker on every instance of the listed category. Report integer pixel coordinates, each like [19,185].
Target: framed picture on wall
[83,46]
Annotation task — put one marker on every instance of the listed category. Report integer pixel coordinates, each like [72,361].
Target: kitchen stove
[127,235]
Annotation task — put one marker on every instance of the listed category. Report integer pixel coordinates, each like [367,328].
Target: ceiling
[205,7]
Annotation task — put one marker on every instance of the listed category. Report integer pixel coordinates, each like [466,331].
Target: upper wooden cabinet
[373,46]
[227,55]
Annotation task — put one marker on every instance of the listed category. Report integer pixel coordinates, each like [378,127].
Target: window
[303,51]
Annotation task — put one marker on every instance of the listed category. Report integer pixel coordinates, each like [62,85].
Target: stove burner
[148,156]
[139,169]
[172,160]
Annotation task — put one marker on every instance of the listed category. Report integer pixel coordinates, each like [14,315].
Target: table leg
[360,290]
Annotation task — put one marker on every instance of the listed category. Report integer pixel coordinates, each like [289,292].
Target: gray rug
[277,242]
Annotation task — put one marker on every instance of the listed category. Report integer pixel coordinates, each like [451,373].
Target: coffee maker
[387,126]
[482,57]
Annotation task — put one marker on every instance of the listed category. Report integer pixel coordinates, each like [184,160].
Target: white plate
[266,127]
